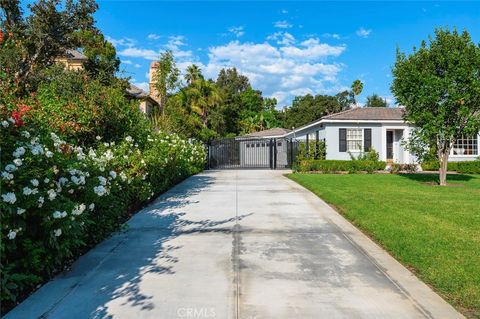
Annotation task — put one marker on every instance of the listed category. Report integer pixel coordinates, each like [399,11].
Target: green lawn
[435,231]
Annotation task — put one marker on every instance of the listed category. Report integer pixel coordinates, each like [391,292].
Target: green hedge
[466,167]
[335,166]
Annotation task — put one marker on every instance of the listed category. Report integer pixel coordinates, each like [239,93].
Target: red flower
[1,36]
[18,114]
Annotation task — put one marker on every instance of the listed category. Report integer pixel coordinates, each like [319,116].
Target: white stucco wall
[330,130]
[332,139]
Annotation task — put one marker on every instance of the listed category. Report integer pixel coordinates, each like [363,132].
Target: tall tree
[40,37]
[439,85]
[376,101]
[166,76]
[193,73]
[357,88]
[204,96]
[345,99]
[102,62]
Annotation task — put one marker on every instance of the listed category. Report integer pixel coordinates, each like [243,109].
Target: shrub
[336,166]
[312,152]
[371,155]
[465,167]
[78,109]
[57,198]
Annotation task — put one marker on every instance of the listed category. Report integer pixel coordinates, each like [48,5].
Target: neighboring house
[357,130]
[147,103]
[74,60]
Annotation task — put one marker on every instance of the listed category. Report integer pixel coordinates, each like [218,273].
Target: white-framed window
[466,146]
[354,139]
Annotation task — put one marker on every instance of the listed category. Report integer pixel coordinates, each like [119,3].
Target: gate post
[317,146]
[270,153]
[291,153]
[209,142]
[307,146]
[274,153]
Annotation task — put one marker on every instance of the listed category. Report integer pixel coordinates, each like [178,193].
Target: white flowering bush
[58,199]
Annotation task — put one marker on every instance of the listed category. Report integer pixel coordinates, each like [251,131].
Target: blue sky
[285,48]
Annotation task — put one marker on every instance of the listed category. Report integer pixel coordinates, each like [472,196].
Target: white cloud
[280,67]
[237,31]
[363,33]
[123,42]
[284,11]
[312,49]
[280,71]
[127,62]
[153,36]
[283,38]
[140,53]
[282,24]
[332,35]
[174,43]
[137,65]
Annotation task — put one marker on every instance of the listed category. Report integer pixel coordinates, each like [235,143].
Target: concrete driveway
[236,244]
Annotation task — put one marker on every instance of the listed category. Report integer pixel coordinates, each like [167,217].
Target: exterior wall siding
[330,133]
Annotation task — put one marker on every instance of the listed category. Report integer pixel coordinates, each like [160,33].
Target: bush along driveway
[432,230]
[236,244]
[59,199]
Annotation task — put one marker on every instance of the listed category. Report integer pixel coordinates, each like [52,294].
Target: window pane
[354,139]
[466,146]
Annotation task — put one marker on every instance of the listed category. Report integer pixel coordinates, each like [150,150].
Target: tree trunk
[443,168]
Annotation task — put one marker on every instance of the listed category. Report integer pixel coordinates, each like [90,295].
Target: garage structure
[264,149]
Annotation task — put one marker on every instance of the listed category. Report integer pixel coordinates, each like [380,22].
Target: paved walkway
[227,244]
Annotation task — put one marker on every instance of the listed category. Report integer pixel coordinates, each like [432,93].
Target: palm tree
[193,74]
[204,96]
[357,88]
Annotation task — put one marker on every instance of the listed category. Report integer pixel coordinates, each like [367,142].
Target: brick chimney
[154,94]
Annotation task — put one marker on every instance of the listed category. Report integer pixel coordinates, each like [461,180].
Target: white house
[382,129]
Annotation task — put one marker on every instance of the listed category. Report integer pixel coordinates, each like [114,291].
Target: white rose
[18,162]
[57,232]
[34,182]
[20,211]
[27,191]
[12,234]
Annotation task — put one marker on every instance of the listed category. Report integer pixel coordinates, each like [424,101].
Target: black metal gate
[273,153]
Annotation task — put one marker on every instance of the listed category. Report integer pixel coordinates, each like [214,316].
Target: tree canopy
[439,85]
[376,101]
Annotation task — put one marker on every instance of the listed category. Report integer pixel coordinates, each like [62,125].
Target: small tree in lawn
[439,85]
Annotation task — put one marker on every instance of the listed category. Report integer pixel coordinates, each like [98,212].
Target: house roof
[137,92]
[75,55]
[368,113]
[276,131]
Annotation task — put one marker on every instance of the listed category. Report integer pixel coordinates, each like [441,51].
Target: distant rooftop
[276,131]
[74,55]
[368,113]
[137,92]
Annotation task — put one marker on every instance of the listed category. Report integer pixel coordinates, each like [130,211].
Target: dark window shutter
[367,139]
[342,143]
